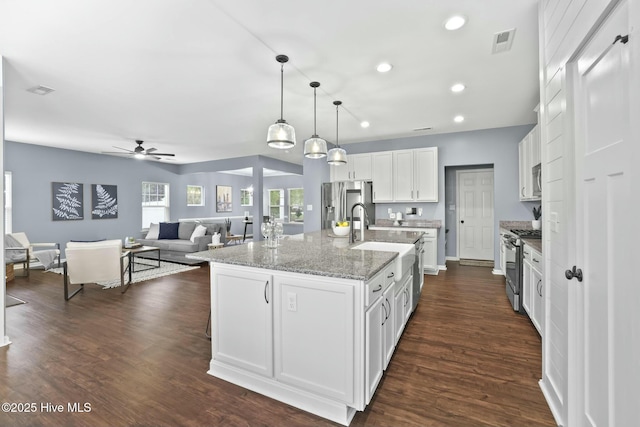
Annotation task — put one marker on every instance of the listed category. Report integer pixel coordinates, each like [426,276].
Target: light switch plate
[392,215]
[292,301]
[309,207]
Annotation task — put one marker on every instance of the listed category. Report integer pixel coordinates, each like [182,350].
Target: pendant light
[337,156]
[281,135]
[315,147]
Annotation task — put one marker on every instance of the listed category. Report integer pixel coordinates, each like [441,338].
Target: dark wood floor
[465,359]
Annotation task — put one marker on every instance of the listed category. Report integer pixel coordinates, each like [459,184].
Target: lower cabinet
[241,326]
[533,287]
[318,343]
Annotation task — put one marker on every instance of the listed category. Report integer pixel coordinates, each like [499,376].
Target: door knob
[462,221]
[575,272]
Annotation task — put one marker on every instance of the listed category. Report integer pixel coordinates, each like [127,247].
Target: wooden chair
[91,262]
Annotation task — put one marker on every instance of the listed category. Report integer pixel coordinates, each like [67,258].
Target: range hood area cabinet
[414,175]
[358,168]
[529,155]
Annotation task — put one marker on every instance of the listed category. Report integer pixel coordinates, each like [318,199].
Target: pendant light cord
[281,91]
[337,143]
[314,112]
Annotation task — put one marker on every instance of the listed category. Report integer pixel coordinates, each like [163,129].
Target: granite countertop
[410,223]
[536,244]
[314,253]
[507,226]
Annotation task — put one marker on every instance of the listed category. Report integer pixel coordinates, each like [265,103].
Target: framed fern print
[67,201]
[104,201]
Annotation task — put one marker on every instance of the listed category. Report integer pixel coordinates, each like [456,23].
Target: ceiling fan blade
[124,149]
[151,150]
[116,152]
[163,154]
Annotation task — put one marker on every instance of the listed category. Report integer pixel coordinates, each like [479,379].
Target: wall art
[67,201]
[104,201]
[223,199]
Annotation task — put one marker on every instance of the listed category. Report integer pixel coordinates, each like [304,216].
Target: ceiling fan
[139,152]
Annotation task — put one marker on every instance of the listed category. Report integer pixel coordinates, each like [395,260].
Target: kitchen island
[312,323]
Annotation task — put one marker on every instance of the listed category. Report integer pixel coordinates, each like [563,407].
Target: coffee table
[138,250]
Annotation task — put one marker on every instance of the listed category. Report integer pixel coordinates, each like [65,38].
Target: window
[296,205]
[276,204]
[7,203]
[195,195]
[155,203]
[246,196]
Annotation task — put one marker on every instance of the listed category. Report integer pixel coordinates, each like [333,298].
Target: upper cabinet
[358,168]
[406,175]
[529,153]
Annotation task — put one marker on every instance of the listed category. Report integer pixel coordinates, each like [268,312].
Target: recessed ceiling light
[458,119]
[40,90]
[455,22]
[384,67]
[364,124]
[458,87]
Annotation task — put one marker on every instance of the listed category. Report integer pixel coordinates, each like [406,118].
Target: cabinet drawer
[536,260]
[389,275]
[429,232]
[374,289]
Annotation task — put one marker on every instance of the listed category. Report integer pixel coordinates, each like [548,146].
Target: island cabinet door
[314,335]
[242,327]
[389,341]
[375,317]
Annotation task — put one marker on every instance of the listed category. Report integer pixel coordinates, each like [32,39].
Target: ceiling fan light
[281,135]
[337,156]
[139,156]
[315,147]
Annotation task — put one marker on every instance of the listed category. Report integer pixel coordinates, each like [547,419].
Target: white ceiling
[199,78]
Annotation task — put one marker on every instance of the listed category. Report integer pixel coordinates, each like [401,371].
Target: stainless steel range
[513,265]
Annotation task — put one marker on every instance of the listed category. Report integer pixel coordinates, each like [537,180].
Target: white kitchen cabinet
[382,177]
[388,333]
[529,155]
[358,168]
[527,288]
[430,256]
[537,292]
[402,304]
[374,333]
[242,320]
[403,182]
[426,174]
[313,339]
[533,287]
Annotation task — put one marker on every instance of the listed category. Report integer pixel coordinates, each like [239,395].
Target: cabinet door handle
[539,286]
[412,194]
[384,307]
[390,275]
[389,305]
[526,253]
[379,288]
[522,192]
[266,285]
[535,260]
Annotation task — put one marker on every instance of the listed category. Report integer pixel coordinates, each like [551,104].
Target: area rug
[166,269]
[11,301]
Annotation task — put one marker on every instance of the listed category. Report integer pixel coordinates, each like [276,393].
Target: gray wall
[498,147]
[35,167]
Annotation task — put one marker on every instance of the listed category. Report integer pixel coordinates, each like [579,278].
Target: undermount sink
[406,253]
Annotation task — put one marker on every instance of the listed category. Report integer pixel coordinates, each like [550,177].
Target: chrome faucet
[352,232]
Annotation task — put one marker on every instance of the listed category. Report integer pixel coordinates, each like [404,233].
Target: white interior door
[475,214]
[606,359]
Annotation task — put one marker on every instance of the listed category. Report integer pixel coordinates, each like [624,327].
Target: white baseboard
[497,272]
[442,267]
[452,258]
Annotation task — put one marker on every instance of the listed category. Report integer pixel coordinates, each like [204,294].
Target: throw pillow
[154,231]
[198,232]
[185,230]
[168,230]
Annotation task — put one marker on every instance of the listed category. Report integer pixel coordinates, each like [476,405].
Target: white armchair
[91,262]
[35,251]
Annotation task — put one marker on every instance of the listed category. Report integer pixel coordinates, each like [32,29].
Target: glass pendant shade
[337,156]
[315,147]
[281,135]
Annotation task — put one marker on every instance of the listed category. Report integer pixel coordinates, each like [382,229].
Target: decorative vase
[536,224]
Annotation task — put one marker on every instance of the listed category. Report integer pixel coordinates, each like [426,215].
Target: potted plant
[537,213]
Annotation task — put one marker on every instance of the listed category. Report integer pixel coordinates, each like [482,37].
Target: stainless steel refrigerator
[339,197]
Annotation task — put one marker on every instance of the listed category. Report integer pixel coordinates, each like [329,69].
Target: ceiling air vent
[40,90]
[503,40]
